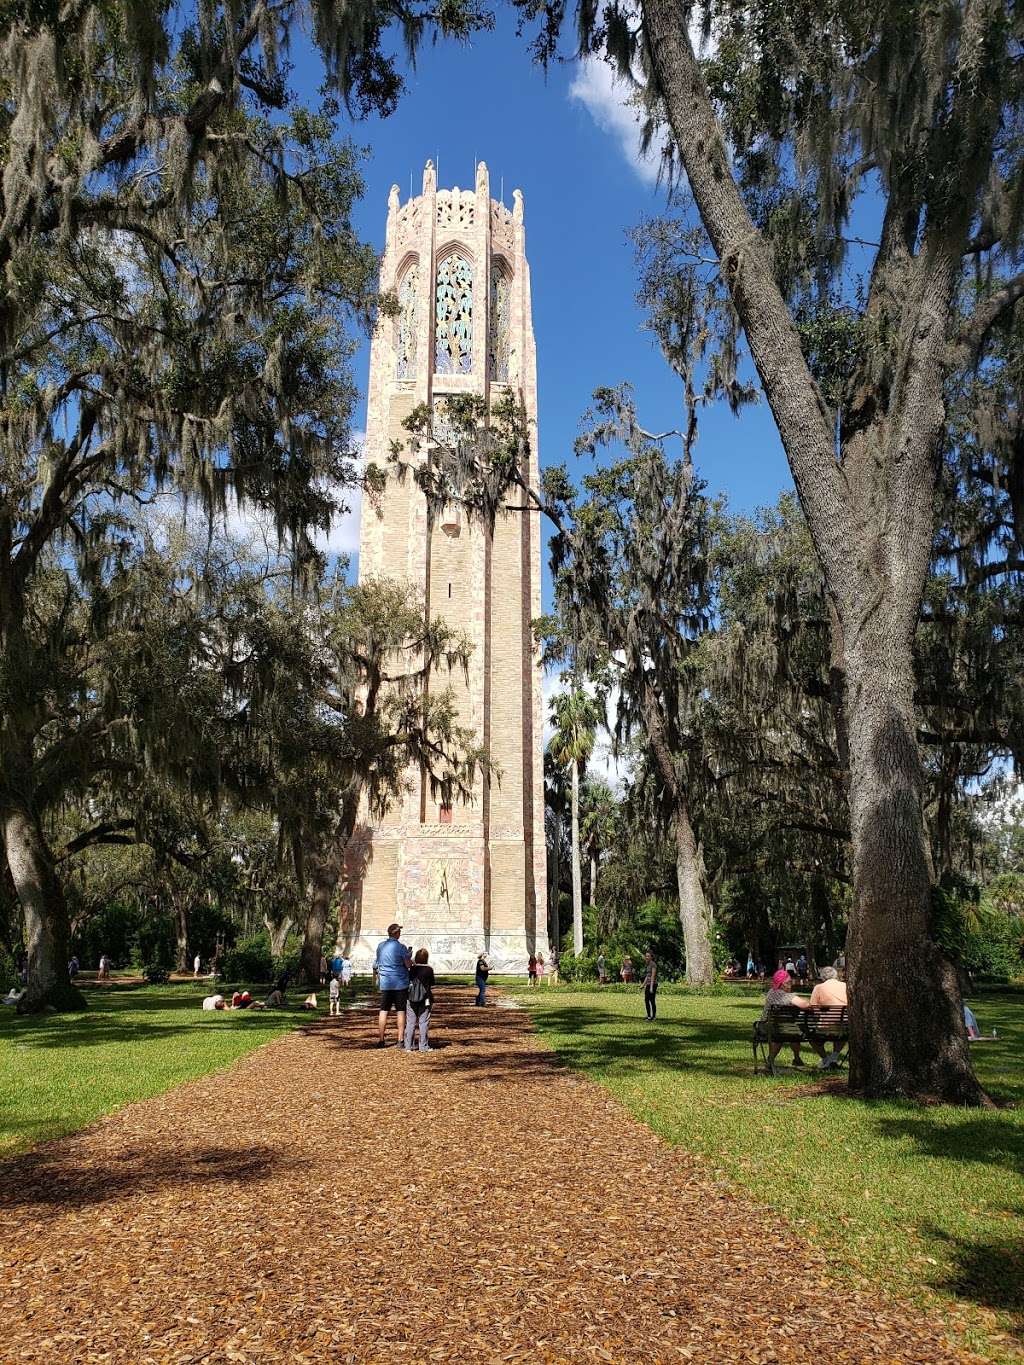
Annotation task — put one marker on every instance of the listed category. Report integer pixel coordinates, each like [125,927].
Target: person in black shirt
[483,970]
[421,1000]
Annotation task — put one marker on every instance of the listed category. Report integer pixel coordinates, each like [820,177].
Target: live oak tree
[352,698]
[178,266]
[783,119]
[632,601]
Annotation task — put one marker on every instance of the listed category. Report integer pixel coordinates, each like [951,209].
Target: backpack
[418,993]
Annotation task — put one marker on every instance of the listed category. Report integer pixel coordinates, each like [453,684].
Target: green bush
[994,949]
[249,960]
[977,934]
[287,962]
[155,973]
[8,971]
[654,924]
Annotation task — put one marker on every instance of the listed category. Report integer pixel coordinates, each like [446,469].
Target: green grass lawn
[929,1201]
[59,1072]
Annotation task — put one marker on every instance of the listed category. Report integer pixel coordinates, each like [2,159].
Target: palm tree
[576,717]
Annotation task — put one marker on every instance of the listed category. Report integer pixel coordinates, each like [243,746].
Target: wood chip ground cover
[325,1200]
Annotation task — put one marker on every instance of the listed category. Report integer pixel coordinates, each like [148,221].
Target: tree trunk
[325,883]
[46,918]
[279,931]
[554,918]
[907,1034]
[693,907]
[181,933]
[577,869]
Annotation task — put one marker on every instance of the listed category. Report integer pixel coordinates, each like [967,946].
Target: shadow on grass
[589,1039]
[55,1178]
[988,1271]
[990,1139]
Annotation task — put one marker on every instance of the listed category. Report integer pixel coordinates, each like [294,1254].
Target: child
[335,993]
[346,971]
[531,970]
[421,1001]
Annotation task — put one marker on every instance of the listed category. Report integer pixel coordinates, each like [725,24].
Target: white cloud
[609,101]
[603,763]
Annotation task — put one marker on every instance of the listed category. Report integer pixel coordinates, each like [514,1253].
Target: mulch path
[323,1200]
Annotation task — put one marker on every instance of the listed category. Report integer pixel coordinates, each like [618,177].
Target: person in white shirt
[196,965]
[335,994]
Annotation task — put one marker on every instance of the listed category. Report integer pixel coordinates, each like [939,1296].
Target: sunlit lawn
[59,1072]
[925,1199]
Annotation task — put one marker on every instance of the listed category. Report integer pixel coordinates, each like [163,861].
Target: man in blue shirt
[392,964]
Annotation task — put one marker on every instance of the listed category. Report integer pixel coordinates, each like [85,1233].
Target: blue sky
[569,144]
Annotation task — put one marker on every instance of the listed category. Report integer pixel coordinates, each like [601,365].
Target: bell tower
[469,878]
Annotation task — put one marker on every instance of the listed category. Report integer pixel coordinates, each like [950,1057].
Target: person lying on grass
[780,992]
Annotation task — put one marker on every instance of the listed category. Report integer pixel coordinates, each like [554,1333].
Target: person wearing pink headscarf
[780,993]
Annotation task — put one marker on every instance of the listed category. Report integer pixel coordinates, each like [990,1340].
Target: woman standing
[650,985]
[482,972]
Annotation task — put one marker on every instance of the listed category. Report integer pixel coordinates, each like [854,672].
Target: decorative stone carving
[456,209]
[499,329]
[406,323]
[502,236]
[453,315]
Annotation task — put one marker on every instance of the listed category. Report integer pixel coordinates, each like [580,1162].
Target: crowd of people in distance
[537,970]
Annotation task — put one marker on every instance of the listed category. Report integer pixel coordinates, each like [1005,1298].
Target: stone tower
[470,878]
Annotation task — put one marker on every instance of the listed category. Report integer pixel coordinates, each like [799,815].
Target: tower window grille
[498,341]
[453,312]
[405,323]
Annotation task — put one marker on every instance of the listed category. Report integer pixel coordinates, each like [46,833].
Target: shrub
[654,924]
[249,960]
[287,962]
[976,933]
[8,970]
[155,973]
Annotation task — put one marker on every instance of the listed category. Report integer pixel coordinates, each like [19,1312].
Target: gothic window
[498,342]
[405,324]
[453,310]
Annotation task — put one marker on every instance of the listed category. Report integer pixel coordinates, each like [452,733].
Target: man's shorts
[398,998]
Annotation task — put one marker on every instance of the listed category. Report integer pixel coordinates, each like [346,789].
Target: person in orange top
[829,991]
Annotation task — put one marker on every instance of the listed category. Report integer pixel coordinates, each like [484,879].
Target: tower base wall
[435,885]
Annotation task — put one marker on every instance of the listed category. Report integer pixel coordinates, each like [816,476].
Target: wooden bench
[789,1024]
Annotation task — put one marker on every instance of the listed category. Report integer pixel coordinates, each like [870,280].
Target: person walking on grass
[421,1001]
[197,962]
[346,971]
[540,968]
[650,985]
[335,994]
[483,971]
[392,963]
[602,968]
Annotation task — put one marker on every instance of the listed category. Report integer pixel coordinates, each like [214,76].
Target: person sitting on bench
[830,993]
[780,993]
